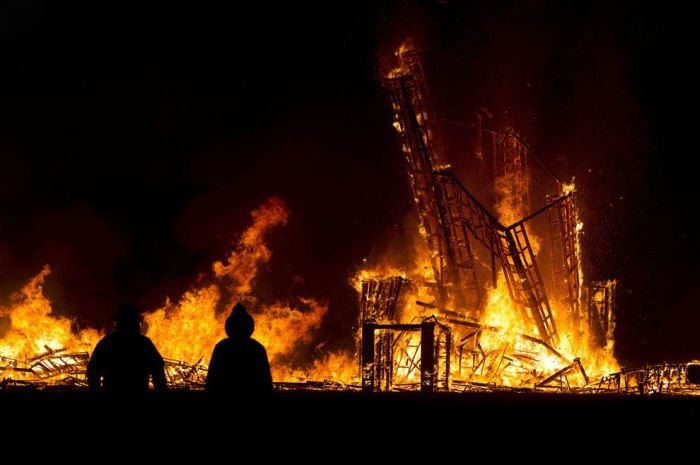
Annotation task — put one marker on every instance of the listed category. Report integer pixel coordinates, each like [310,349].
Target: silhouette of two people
[125,360]
[239,363]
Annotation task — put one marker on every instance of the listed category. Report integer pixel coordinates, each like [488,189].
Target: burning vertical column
[564,230]
[601,312]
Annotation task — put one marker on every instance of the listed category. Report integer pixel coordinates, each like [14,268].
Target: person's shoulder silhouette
[123,361]
[239,363]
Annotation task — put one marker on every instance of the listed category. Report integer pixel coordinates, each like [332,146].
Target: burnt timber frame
[448,211]
[377,355]
[512,247]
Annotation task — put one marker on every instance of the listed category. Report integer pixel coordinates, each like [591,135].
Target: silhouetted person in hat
[123,361]
[239,363]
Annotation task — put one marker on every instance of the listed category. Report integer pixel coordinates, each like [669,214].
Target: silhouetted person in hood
[239,363]
[123,361]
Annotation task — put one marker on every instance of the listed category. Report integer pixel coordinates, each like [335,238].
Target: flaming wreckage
[68,369]
[462,336]
[477,312]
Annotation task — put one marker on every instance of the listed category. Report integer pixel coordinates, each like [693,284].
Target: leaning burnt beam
[49,352]
[563,372]
[525,283]
[583,370]
[417,145]
[451,255]
[510,245]
[547,346]
[469,211]
[459,255]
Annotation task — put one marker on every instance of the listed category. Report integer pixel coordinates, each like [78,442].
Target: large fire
[510,352]
[33,330]
[187,329]
[494,340]
[513,334]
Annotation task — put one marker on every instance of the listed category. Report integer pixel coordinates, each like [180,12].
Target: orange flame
[507,353]
[242,264]
[189,329]
[34,329]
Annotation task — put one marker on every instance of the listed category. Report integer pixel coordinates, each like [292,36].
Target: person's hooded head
[239,323]
[127,318]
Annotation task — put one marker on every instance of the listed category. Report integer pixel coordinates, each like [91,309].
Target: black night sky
[132,138]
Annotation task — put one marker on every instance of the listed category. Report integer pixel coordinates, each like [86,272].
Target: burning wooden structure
[490,313]
[453,222]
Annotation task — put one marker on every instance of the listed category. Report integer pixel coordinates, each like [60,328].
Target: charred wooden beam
[367,360]
[427,358]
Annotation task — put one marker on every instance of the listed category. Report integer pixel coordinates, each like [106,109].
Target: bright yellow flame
[401,69]
[35,330]
[568,187]
[189,329]
[503,351]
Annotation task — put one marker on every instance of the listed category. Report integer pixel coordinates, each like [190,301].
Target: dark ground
[310,422]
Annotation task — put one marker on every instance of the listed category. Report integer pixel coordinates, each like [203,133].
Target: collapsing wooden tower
[450,214]
[452,258]
[453,222]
